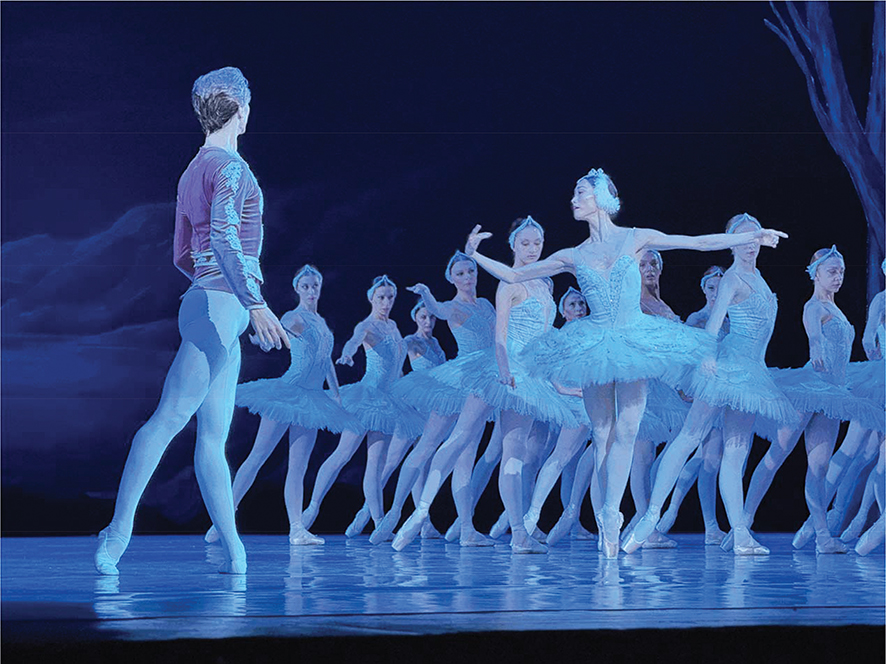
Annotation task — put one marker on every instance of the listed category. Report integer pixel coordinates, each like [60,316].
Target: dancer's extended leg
[515,450]
[348,443]
[737,438]
[301,444]
[568,444]
[821,435]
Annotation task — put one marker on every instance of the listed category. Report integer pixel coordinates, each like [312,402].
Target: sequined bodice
[532,317]
[432,356]
[384,361]
[478,330]
[837,335]
[310,352]
[614,298]
[751,323]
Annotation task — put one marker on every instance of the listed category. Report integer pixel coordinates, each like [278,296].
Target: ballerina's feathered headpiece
[716,272]
[739,219]
[305,271]
[529,222]
[418,305]
[605,192]
[562,306]
[377,283]
[457,257]
[813,266]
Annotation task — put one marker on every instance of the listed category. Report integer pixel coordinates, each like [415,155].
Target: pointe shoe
[872,538]
[359,523]
[310,515]
[522,542]
[746,545]
[835,518]
[642,532]
[233,566]
[454,531]
[714,536]
[429,532]
[659,541]
[579,532]
[105,563]
[409,530]
[728,541]
[804,535]
[828,544]
[384,532]
[610,521]
[301,537]
[500,527]
[564,526]
[473,538]
[211,535]
[853,530]
[667,521]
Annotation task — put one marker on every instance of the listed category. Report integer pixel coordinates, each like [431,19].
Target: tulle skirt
[587,353]
[426,394]
[665,413]
[282,401]
[477,373]
[867,380]
[379,410]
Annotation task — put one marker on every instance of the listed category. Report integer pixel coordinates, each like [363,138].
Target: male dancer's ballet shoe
[564,526]
[105,563]
[804,535]
[384,532]
[454,531]
[410,530]
[500,527]
[359,523]
[211,535]
[872,538]
[746,545]
[714,537]
[659,541]
[299,536]
[610,522]
[579,532]
[523,542]
[429,532]
[473,538]
[828,544]
[641,532]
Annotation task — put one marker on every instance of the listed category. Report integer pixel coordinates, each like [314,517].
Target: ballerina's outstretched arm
[351,346]
[649,238]
[556,263]
[440,310]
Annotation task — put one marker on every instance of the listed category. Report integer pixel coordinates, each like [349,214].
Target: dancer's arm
[869,338]
[812,315]
[440,310]
[556,263]
[291,321]
[350,349]
[332,381]
[726,292]
[504,297]
[649,238]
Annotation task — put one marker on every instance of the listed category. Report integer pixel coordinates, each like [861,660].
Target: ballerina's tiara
[657,255]
[305,271]
[418,305]
[603,195]
[813,266]
[562,306]
[377,283]
[457,257]
[740,219]
[716,273]
[529,222]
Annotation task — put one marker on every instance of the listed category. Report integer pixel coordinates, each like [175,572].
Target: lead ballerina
[612,352]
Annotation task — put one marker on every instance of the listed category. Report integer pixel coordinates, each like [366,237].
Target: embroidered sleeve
[224,235]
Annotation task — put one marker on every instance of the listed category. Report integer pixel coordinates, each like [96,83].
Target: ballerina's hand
[419,289]
[817,361]
[253,338]
[347,360]
[769,237]
[709,367]
[507,378]
[268,328]
[474,240]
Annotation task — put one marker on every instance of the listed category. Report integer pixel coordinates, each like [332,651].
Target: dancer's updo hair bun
[377,283]
[605,192]
[217,96]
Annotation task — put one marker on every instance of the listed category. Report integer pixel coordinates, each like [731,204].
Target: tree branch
[874,113]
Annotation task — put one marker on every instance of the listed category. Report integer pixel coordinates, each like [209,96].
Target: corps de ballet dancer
[217,242]
[736,384]
[371,402]
[819,392]
[704,465]
[424,353]
[613,351]
[499,381]
[471,320]
[295,402]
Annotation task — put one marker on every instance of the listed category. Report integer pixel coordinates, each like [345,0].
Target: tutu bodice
[477,331]
[751,323]
[432,355]
[837,335]
[527,320]
[384,362]
[309,352]
[613,301]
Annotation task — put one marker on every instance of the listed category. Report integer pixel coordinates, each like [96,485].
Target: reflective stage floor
[168,590]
